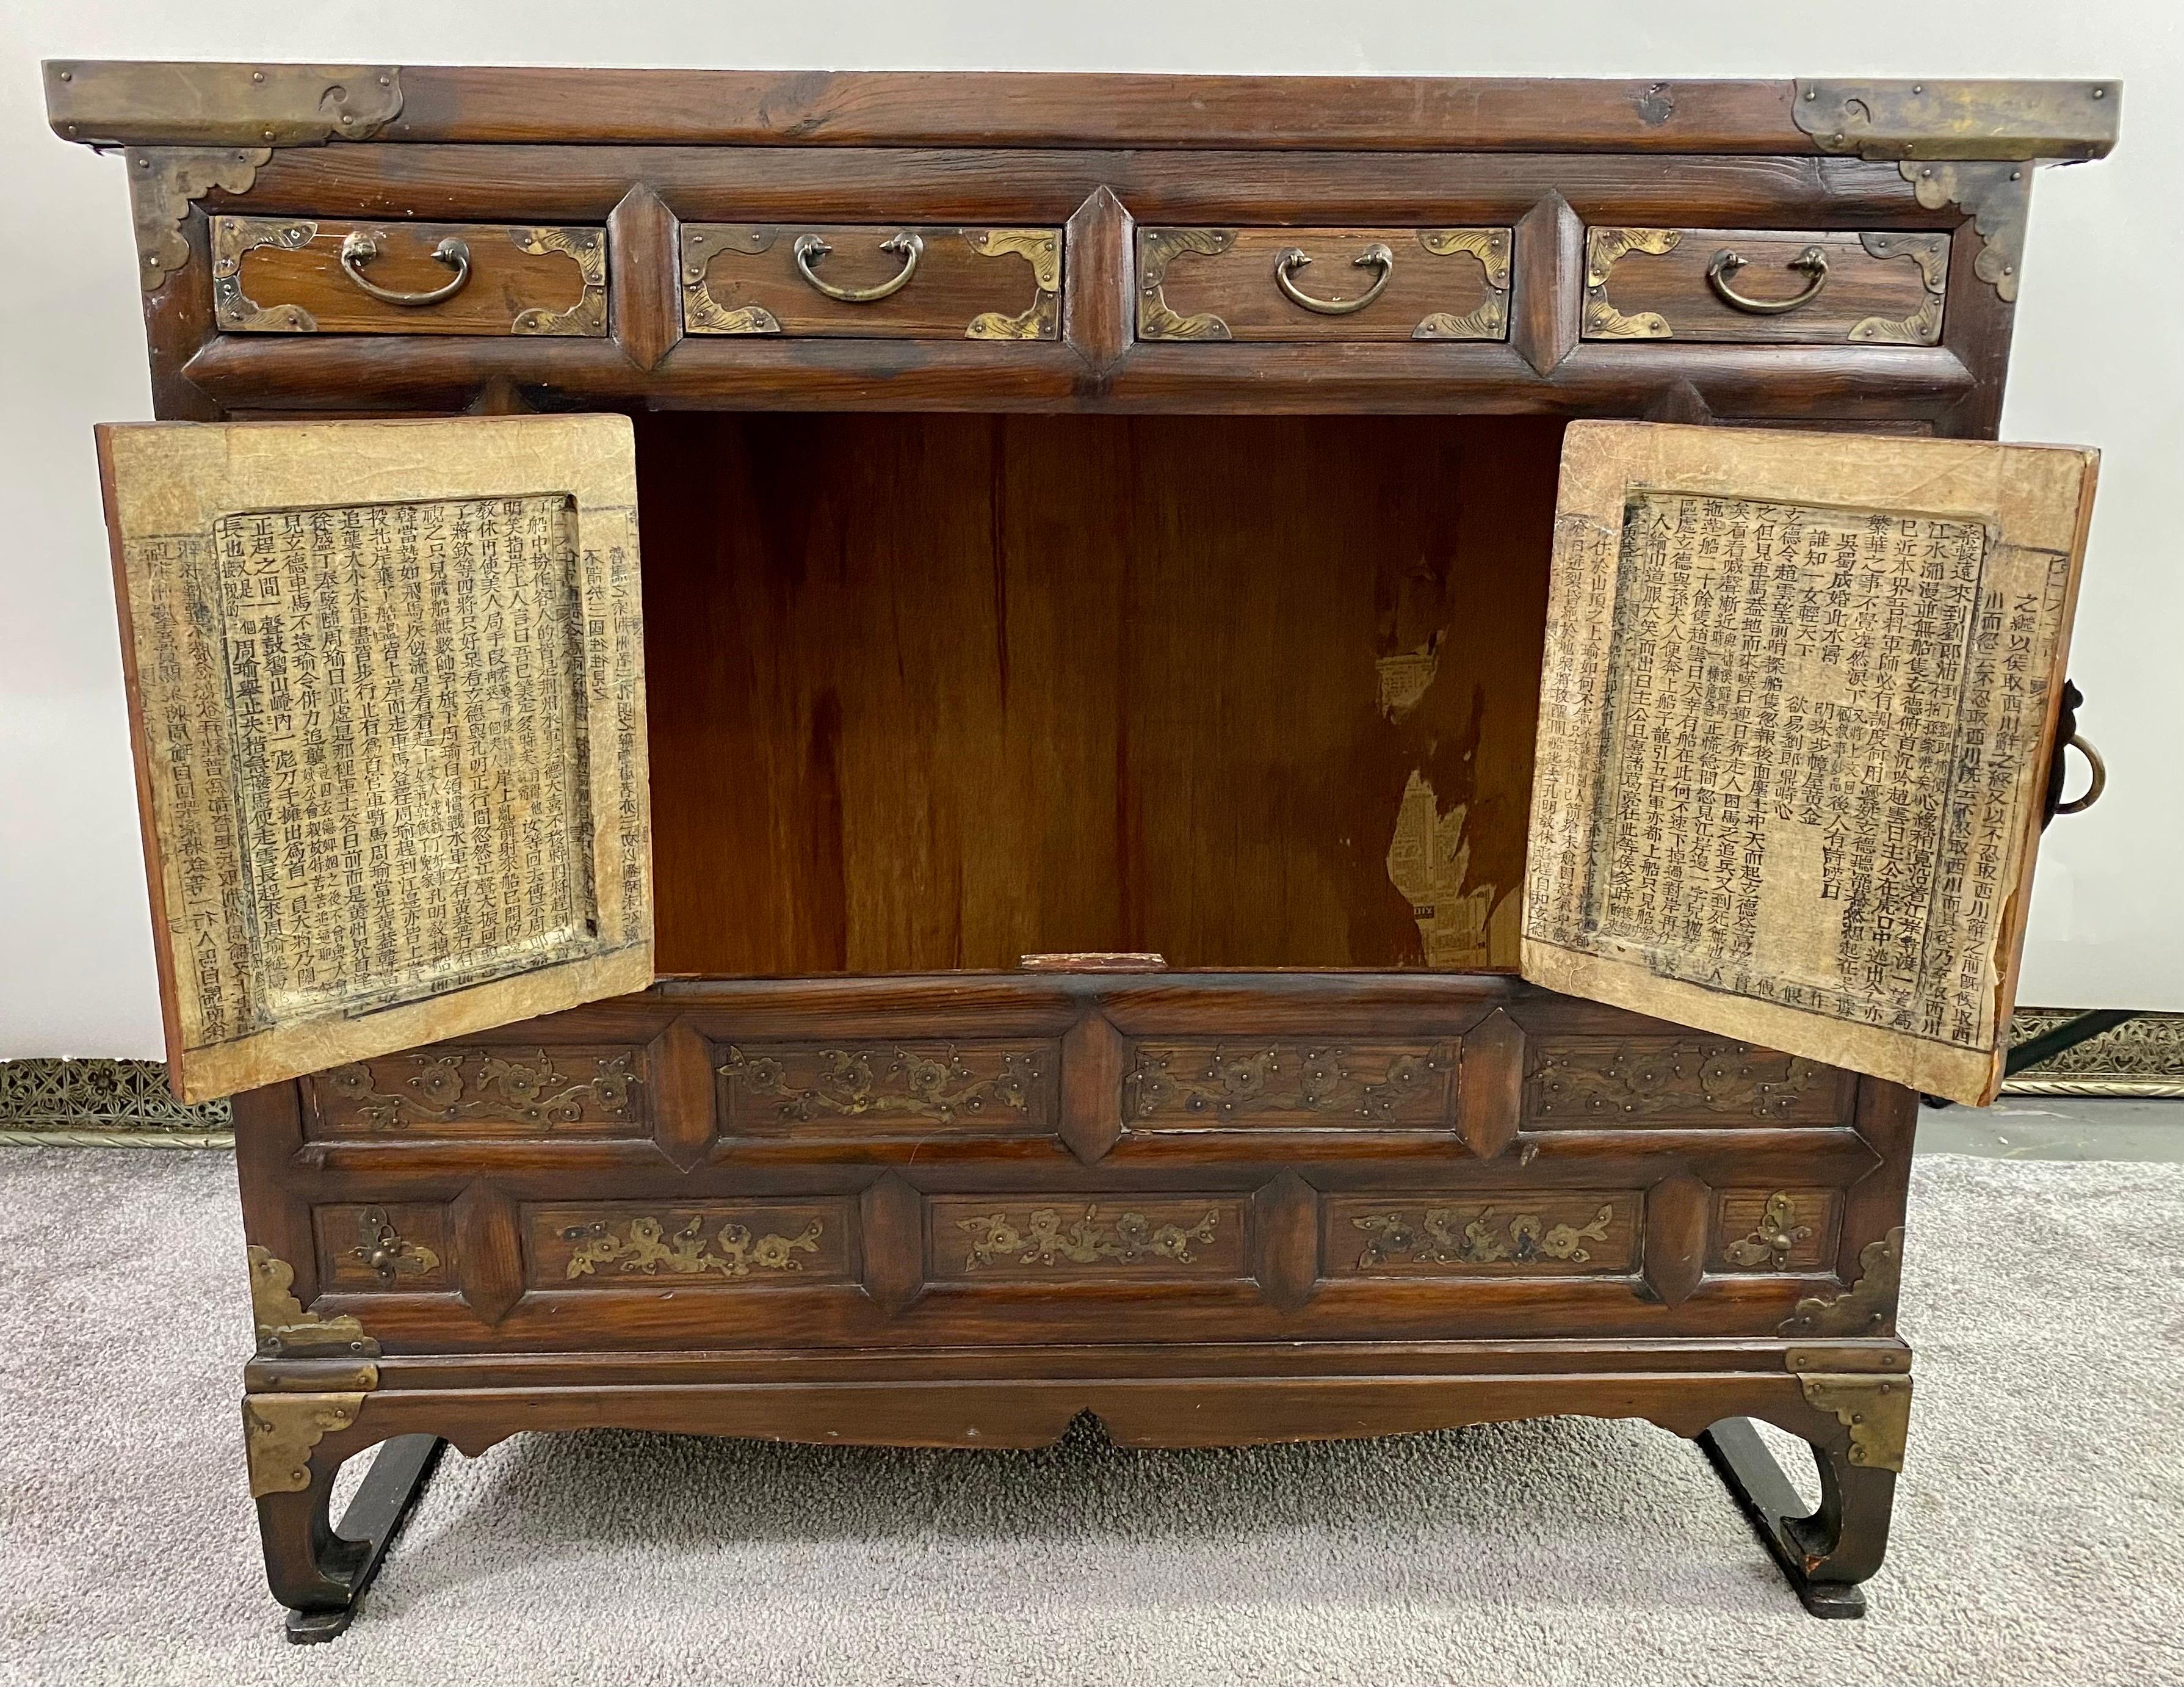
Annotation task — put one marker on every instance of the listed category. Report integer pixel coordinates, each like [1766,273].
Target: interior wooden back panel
[936,692]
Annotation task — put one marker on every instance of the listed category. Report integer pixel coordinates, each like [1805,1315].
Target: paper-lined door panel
[386,697]
[1795,713]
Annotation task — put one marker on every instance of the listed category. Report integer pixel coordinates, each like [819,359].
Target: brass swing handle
[1812,262]
[1291,259]
[2097,784]
[360,248]
[810,247]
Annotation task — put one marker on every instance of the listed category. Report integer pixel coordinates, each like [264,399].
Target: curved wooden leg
[1825,1553]
[318,1571]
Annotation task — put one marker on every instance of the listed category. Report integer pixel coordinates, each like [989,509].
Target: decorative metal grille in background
[125,1104]
[102,1103]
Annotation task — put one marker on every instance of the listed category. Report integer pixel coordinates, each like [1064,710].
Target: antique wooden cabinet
[1096,542]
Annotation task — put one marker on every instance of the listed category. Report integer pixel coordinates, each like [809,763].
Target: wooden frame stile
[912,1208]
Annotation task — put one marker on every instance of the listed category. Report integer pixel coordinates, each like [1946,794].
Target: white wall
[2098,361]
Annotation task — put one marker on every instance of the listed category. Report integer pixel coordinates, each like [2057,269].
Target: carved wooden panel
[497,1090]
[1578,1082]
[1140,1238]
[970,1088]
[871,282]
[1677,283]
[1201,1084]
[319,275]
[1363,284]
[384,1248]
[625,1244]
[1774,1230]
[387,696]
[1547,1233]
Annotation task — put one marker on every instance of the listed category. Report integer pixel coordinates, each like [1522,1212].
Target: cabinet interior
[937,691]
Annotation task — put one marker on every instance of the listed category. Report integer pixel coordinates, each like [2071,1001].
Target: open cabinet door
[386,695]
[1796,713]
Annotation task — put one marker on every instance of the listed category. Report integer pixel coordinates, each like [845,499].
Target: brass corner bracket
[125,102]
[1997,197]
[1866,1309]
[279,1431]
[1876,1408]
[2014,120]
[285,1329]
[164,182]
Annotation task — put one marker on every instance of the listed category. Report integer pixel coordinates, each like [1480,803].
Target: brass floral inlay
[1773,1239]
[1488,1239]
[385,1252]
[850,1082]
[1603,249]
[530,1091]
[645,1246]
[1157,248]
[1282,1078]
[1718,1076]
[1045,1238]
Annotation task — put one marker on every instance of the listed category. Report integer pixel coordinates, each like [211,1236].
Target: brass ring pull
[360,248]
[2096,766]
[1291,259]
[1812,262]
[810,248]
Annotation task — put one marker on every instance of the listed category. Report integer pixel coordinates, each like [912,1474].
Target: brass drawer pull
[810,247]
[1812,262]
[360,248]
[2094,766]
[1291,259]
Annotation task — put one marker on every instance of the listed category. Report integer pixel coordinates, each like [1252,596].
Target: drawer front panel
[1776,1230]
[564,1090]
[306,276]
[857,1088]
[750,1244]
[1117,1239]
[1608,1083]
[1764,286]
[871,282]
[1205,1084]
[379,1248]
[1552,1233]
[1362,284]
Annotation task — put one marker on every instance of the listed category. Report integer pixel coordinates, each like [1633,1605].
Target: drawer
[871,281]
[1763,286]
[1309,284]
[298,276]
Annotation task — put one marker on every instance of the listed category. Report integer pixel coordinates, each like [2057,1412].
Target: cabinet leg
[1825,1554]
[320,1571]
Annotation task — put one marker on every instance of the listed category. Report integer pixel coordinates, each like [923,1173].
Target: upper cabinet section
[421,238]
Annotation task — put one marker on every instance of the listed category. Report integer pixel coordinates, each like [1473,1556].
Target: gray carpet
[2040,1530]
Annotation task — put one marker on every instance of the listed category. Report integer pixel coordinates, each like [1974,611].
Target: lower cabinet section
[1004,1161]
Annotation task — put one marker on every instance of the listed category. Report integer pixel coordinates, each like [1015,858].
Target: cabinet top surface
[132,103]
